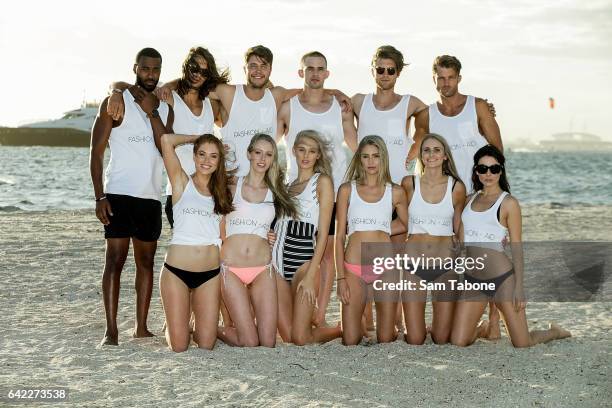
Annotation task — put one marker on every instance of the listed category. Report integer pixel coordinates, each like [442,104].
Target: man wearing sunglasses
[466,122]
[316,109]
[386,113]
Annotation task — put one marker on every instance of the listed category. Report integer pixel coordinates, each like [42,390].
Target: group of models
[226,196]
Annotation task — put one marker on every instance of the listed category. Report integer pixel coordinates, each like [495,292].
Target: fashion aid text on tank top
[250,218]
[427,218]
[391,126]
[246,119]
[186,123]
[462,135]
[135,165]
[329,124]
[482,228]
[365,216]
[195,221]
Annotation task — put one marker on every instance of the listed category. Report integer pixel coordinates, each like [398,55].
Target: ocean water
[41,178]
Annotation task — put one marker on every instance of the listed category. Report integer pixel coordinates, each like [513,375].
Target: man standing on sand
[128,204]
[316,109]
[386,113]
[465,121]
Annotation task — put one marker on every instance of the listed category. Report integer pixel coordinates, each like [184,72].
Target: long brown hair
[218,184]
[284,204]
[355,170]
[448,165]
[213,76]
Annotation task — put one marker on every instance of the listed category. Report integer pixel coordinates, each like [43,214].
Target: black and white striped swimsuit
[295,238]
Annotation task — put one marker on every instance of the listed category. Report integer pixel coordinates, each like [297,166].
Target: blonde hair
[355,170]
[448,166]
[323,163]
[284,204]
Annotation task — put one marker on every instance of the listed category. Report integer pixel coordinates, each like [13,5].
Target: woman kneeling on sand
[300,242]
[490,215]
[366,203]
[189,279]
[249,283]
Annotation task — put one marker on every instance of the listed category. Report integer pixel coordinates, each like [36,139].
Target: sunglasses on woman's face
[381,70]
[482,169]
[195,69]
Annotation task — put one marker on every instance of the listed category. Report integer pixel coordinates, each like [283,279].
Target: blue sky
[516,53]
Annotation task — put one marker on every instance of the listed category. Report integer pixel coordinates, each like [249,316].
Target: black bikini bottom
[192,279]
[498,281]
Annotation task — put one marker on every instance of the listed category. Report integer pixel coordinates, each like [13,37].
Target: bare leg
[236,297]
[516,325]
[493,331]
[205,306]
[285,308]
[302,331]
[175,300]
[413,304]
[144,254]
[326,282]
[116,254]
[442,321]
[352,312]
[465,324]
[265,304]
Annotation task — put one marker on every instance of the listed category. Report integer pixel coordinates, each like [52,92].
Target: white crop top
[195,221]
[482,228]
[427,218]
[250,218]
[364,216]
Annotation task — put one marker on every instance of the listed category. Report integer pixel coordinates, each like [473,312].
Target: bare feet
[494,328]
[137,333]
[560,331]
[110,339]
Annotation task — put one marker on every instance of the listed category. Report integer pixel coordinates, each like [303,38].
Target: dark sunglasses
[194,68]
[381,70]
[482,169]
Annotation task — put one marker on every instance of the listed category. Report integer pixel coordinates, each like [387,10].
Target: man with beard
[316,109]
[466,122]
[194,112]
[128,203]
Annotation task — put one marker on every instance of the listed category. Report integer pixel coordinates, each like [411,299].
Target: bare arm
[342,203]
[487,125]
[100,133]
[421,128]
[357,102]
[282,122]
[408,187]
[458,205]
[400,203]
[177,176]
[511,214]
[350,131]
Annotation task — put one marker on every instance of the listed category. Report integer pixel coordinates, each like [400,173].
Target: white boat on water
[72,129]
[575,141]
[79,119]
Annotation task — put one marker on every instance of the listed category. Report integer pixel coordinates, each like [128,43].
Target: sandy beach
[53,320]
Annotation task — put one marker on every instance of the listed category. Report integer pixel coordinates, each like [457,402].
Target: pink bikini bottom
[364,272]
[246,274]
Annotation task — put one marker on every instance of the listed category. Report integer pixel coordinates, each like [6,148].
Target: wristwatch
[154,114]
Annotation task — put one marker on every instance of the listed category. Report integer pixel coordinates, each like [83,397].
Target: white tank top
[482,228]
[391,126]
[246,119]
[364,216]
[308,203]
[433,219]
[135,166]
[250,218]
[329,124]
[195,221]
[462,134]
[186,123]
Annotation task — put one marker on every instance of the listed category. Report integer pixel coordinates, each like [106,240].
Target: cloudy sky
[516,53]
